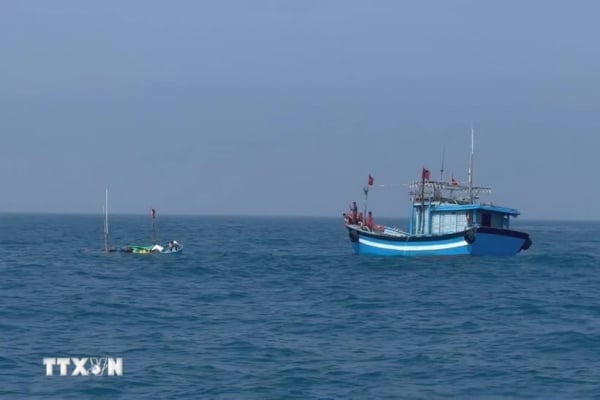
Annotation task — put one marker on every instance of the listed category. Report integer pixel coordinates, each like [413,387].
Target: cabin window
[486,219]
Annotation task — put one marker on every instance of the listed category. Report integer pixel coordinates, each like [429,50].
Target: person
[346,219]
[369,223]
[173,245]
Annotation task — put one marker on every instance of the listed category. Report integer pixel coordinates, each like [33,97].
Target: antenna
[471,165]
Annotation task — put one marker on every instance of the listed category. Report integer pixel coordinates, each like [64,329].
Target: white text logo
[85,366]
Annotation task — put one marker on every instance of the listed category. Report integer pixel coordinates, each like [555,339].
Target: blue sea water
[280,308]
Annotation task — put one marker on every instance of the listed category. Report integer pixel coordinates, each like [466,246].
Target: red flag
[153,213]
[370,180]
[453,182]
[425,174]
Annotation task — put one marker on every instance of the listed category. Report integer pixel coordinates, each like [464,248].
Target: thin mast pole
[365,207]
[106,222]
[422,222]
[154,226]
[443,157]
[366,191]
[471,165]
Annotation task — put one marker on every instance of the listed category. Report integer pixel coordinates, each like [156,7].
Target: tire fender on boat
[470,236]
[353,236]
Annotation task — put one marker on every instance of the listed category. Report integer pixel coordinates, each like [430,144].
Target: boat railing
[437,189]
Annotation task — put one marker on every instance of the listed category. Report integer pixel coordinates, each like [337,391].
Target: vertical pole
[422,221]
[412,217]
[106,249]
[366,190]
[443,157]
[365,207]
[154,226]
[471,166]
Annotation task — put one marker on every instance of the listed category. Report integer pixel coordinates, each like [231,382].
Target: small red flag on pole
[370,180]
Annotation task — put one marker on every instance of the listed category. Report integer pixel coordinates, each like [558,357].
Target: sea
[280,308]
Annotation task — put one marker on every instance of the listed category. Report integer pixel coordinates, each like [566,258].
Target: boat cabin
[433,214]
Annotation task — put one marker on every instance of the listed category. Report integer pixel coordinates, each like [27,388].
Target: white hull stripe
[423,247]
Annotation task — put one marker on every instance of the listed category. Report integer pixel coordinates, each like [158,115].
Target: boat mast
[422,221]
[154,226]
[106,249]
[471,166]
[443,157]
[370,181]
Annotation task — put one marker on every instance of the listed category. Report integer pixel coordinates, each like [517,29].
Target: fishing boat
[446,218]
[172,247]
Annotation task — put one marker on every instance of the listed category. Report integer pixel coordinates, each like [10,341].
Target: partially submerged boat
[173,247]
[446,218]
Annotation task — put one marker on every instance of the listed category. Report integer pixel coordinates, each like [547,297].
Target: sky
[285,107]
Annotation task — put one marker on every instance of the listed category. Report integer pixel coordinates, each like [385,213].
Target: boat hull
[148,250]
[476,241]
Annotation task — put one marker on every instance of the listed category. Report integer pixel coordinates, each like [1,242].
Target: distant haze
[285,107]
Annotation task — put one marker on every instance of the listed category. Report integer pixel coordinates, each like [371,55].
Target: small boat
[172,247]
[169,249]
[446,219]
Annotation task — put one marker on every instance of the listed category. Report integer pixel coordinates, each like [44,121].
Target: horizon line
[83,213]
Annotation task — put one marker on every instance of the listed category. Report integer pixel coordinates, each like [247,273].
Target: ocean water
[280,308]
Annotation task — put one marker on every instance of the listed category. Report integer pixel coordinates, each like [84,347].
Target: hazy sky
[284,107]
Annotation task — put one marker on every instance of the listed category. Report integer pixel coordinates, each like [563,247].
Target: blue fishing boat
[446,218]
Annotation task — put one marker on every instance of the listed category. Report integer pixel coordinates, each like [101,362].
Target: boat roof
[453,196]
[477,206]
